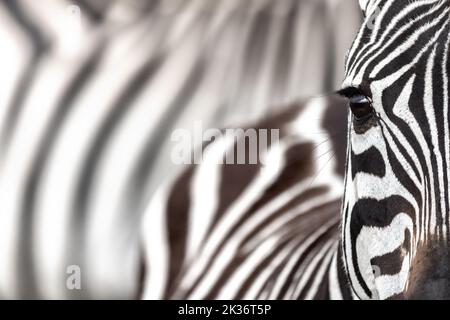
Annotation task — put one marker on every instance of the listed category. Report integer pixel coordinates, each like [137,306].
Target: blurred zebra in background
[261,230]
[88,106]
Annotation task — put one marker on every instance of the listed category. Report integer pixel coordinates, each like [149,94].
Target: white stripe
[333,279]
[319,277]
[308,272]
[16,51]
[154,235]
[431,117]
[205,193]
[287,270]
[105,251]
[445,89]
[267,175]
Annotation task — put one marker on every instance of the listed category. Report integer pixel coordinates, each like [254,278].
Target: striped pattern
[255,231]
[260,238]
[85,113]
[396,209]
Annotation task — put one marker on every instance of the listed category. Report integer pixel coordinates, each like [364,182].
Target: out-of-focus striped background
[91,91]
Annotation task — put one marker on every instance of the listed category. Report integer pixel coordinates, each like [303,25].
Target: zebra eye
[361,106]
[359,102]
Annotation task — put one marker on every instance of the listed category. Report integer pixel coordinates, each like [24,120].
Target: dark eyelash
[351,92]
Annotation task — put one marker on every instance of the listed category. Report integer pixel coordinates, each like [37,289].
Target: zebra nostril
[435,289]
[430,273]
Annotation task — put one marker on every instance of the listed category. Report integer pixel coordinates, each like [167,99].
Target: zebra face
[397,200]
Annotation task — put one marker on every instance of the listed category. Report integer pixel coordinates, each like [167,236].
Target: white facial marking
[374,242]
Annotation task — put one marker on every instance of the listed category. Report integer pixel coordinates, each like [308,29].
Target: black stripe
[177,224]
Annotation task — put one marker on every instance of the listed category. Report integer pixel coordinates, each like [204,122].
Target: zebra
[304,227]
[268,230]
[88,103]
[396,199]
